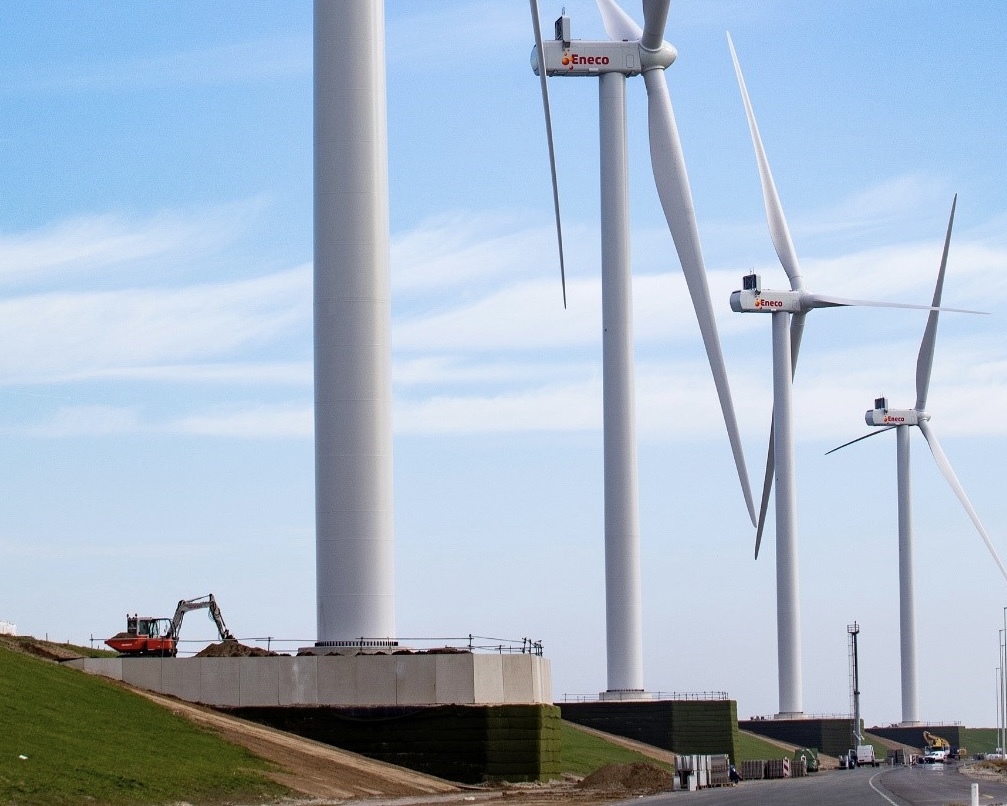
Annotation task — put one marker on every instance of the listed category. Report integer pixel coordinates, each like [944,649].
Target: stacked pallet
[799,767]
[778,768]
[753,770]
[720,770]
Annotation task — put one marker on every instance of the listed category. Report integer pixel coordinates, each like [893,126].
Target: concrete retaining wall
[830,736]
[350,680]
[701,727]
[467,743]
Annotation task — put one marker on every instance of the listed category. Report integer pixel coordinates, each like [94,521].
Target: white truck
[865,755]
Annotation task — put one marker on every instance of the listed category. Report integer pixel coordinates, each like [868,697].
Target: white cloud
[572,407]
[237,62]
[86,421]
[292,420]
[74,336]
[81,246]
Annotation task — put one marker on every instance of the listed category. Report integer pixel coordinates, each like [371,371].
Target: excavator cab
[148,627]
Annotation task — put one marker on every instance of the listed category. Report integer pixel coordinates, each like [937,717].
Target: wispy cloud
[286,421]
[85,421]
[88,245]
[76,336]
[239,62]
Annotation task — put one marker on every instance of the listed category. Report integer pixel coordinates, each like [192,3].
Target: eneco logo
[572,60]
[890,419]
[768,303]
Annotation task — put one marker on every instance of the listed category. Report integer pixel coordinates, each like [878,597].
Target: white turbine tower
[902,420]
[630,52]
[789,310]
[353,431]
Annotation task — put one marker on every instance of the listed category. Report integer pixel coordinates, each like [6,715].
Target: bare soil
[638,778]
[233,649]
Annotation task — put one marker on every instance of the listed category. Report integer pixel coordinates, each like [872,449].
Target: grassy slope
[980,740]
[583,753]
[88,740]
[754,748]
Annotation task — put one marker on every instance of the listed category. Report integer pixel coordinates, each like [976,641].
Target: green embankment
[980,740]
[584,752]
[754,748]
[86,740]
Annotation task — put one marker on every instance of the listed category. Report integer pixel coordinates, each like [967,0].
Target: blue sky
[155,389]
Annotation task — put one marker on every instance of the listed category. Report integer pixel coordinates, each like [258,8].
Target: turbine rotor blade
[778,229]
[618,24]
[925,360]
[829,301]
[676,199]
[655,18]
[767,487]
[543,81]
[860,439]
[797,321]
[952,479]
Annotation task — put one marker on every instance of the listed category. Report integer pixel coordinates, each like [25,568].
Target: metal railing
[653,695]
[419,645]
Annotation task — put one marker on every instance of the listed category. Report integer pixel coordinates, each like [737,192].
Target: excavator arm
[200,603]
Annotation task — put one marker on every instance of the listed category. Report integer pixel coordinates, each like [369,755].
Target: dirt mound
[40,649]
[234,649]
[638,778]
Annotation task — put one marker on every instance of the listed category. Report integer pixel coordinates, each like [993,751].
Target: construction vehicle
[147,635]
[937,750]
[865,755]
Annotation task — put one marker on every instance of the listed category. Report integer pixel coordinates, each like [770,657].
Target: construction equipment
[147,635]
[935,742]
[938,749]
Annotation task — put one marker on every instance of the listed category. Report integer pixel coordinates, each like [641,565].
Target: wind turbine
[901,420]
[789,310]
[631,51]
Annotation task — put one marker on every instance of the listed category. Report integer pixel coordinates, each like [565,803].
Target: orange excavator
[148,635]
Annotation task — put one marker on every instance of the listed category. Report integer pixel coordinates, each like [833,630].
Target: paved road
[935,785]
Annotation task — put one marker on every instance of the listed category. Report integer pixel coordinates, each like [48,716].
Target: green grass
[980,740]
[753,748]
[583,752]
[89,741]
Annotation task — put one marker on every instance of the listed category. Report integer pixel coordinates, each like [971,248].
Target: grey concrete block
[488,679]
[518,680]
[375,679]
[219,681]
[298,680]
[455,679]
[258,681]
[415,679]
[180,678]
[337,680]
[143,672]
[106,667]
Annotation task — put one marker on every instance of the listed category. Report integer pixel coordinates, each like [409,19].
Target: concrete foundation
[466,743]
[832,736]
[342,680]
[684,726]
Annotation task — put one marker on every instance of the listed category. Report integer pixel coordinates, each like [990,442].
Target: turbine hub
[659,59]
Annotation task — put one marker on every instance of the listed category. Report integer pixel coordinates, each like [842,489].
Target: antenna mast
[854,630]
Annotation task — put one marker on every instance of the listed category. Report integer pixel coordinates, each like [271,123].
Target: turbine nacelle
[754,300]
[567,57]
[887,417]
